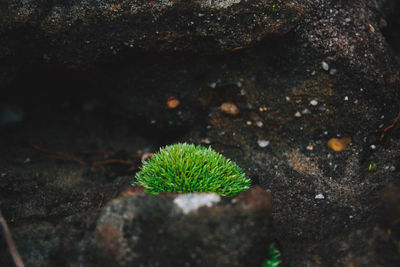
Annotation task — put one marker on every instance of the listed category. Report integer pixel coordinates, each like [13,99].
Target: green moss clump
[185,168]
[274,257]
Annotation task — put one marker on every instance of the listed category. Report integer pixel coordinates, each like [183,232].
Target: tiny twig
[10,242]
[389,127]
[99,164]
[101,197]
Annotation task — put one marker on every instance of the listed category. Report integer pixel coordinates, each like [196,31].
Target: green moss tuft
[185,168]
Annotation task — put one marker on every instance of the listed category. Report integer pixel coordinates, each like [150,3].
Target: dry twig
[390,127]
[101,197]
[10,242]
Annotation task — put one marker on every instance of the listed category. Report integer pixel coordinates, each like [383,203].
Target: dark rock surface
[204,230]
[80,33]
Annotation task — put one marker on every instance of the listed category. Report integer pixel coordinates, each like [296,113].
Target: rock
[81,31]
[146,230]
[339,144]
[263,143]
[229,108]
[324,66]
[172,103]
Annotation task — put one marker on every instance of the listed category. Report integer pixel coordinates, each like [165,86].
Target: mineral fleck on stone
[229,108]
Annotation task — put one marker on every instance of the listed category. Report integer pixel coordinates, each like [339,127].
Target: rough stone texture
[142,230]
[79,33]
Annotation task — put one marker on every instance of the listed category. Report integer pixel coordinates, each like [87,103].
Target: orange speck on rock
[229,108]
[172,102]
[339,144]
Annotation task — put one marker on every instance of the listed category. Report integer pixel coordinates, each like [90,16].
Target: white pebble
[306,111]
[263,143]
[314,102]
[259,124]
[324,66]
[332,71]
[297,114]
[373,146]
[320,196]
[346,98]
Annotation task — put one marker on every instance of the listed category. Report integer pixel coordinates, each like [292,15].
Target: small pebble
[263,143]
[314,102]
[297,114]
[306,111]
[259,124]
[324,66]
[205,141]
[339,144]
[320,196]
[332,71]
[27,160]
[322,108]
[371,28]
[373,146]
[392,168]
[172,102]
[310,147]
[346,98]
[229,108]
[287,98]
[249,123]
[213,85]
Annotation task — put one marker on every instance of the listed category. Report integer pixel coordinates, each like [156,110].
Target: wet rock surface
[328,74]
[141,230]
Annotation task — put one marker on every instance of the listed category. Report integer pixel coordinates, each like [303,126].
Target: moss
[185,168]
[274,257]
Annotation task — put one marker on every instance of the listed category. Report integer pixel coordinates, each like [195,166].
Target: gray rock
[80,31]
[146,230]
